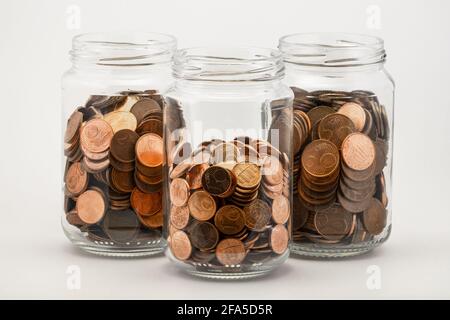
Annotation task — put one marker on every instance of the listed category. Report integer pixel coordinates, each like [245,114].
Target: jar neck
[110,52]
[224,66]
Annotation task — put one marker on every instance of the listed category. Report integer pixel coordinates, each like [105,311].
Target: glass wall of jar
[343,118]
[113,147]
[227,132]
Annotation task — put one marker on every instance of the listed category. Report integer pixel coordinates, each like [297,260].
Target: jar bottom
[342,251]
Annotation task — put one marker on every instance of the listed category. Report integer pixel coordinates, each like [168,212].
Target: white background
[35,38]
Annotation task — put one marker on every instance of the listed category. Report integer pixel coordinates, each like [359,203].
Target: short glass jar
[342,141]
[228,129]
[113,147]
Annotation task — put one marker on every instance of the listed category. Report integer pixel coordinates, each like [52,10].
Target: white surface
[34,41]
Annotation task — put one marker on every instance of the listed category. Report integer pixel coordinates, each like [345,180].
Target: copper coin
[121,166]
[204,236]
[355,113]
[179,216]
[150,126]
[73,219]
[180,245]
[202,205]
[224,152]
[229,220]
[149,150]
[153,221]
[279,239]
[122,181]
[230,252]
[335,128]
[180,169]
[358,176]
[96,135]
[358,152]
[91,206]
[272,170]
[353,206]
[217,181]
[144,107]
[119,120]
[123,145]
[375,217]
[333,223]
[257,215]
[380,155]
[94,156]
[146,204]
[357,194]
[76,179]
[121,226]
[94,166]
[73,125]
[281,210]
[320,158]
[318,113]
[248,175]
[179,192]
[194,175]
[300,214]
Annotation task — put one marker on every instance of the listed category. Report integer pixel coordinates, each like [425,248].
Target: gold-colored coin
[247,174]
[119,120]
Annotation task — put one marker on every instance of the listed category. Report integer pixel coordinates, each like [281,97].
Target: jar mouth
[123,49]
[228,64]
[332,49]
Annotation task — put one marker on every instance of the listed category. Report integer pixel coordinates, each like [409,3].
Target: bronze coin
[204,236]
[143,108]
[179,216]
[146,204]
[353,206]
[121,226]
[150,126]
[96,135]
[179,192]
[279,239]
[357,194]
[120,120]
[355,113]
[122,181]
[257,215]
[381,193]
[94,166]
[380,155]
[229,220]
[194,175]
[272,170]
[320,158]
[180,245]
[154,221]
[91,206]
[94,156]
[358,152]
[217,181]
[375,217]
[300,214]
[318,113]
[281,210]
[248,175]
[180,169]
[230,252]
[123,145]
[358,176]
[202,205]
[224,152]
[73,219]
[333,223]
[121,166]
[76,179]
[335,128]
[73,125]
[149,150]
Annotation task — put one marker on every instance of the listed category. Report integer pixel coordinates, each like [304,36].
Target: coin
[353,206]
[96,135]
[90,206]
[257,214]
[179,192]
[149,150]
[73,125]
[224,152]
[119,120]
[194,175]
[180,245]
[279,239]
[121,226]
[320,158]
[333,223]
[218,181]
[230,252]
[247,175]
[202,205]
[358,152]
[154,221]
[150,126]
[122,181]
[355,113]
[229,219]
[179,216]
[281,210]
[146,204]
[318,113]
[76,179]
[335,128]
[143,108]
[272,170]
[204,236]
[123,145]
[375,217]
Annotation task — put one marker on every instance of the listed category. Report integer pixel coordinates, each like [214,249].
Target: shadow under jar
[342,141]
[227,132]
[113,147]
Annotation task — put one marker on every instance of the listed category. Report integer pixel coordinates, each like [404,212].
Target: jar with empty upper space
[342,142]
[227,133]
[113,147]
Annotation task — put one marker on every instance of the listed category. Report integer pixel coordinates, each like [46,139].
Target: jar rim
[228,64]
[332,49]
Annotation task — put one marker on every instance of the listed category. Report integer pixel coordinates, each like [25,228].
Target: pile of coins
[341,142]
[113,175]
[229,203]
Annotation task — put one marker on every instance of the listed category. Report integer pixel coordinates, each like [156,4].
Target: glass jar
[343,119]
[113,147]
[228,127]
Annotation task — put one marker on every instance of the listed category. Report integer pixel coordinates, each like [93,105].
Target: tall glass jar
[113,147]
[343,119]
[227,132]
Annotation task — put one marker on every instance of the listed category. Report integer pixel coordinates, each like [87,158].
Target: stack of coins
[113,174]
[227,206]
[339,167]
